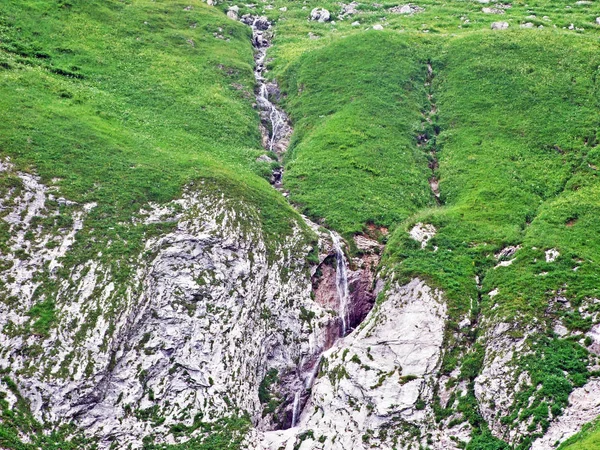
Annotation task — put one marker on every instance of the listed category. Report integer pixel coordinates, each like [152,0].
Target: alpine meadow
[299,225]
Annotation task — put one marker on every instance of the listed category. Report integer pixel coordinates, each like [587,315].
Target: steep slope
[157,292]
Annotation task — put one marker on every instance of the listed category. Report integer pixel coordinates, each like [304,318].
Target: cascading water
[310,380]
[277,129]
[295,408]
[341,282]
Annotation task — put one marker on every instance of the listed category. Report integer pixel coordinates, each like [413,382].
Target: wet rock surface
[374,378]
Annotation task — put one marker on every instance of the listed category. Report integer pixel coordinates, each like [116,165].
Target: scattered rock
[598,20]
[504,263]
[284,9]
[594,335]
[464,323]
[262,23]
[264,158]
[422,233]
[349,9]
[507,252]
[560,329]
[492,11]
[378,27]
[551,255]
[232,12]
[527,25]
[320,15]
[499,25]
[406,9]
[356,24]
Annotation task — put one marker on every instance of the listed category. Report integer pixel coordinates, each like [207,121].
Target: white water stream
[275,119]
[296,408]
[276,132]
[341,281]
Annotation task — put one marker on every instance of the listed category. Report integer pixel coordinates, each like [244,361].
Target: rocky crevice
[341,285]
[275,126]
[427,139]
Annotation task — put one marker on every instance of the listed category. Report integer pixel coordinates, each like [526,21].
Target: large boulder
[320,15]
[499,25]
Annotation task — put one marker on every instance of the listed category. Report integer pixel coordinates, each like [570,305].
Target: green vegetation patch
[587,439]
[356,109]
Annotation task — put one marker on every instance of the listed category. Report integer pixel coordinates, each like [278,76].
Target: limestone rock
[320,15]
[375,377]
[551,255]
[584,406]
[406,9]
[422,233]
[232,12]
[499,25]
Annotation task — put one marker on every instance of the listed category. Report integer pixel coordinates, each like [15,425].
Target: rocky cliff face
[192,334]
[212,323]
[216,321]
[375,386]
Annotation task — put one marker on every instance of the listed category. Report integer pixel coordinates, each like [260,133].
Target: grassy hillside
[588,439]
[356,107]
[126,102]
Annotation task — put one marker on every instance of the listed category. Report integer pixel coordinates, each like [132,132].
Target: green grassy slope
[588,439]
[125,102]
[356,108]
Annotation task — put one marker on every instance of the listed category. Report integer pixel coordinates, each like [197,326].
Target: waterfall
[341,281]
[270,114]
[310,380]
[295,408]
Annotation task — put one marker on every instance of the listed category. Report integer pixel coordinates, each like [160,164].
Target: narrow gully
[428,137]
[275,124]
[276,131]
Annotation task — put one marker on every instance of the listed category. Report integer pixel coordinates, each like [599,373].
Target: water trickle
[310,380]
[295,408]
[277,129]
[341,282]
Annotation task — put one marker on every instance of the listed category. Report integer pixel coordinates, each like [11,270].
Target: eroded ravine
[275,124]
[352,308]
[427,139]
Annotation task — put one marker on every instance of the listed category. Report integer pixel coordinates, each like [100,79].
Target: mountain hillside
[299,225]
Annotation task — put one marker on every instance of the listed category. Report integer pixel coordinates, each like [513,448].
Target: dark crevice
[427,139]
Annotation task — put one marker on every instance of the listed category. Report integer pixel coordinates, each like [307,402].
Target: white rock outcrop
[320,15]
[422,233]
[210,307]
[380,376]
